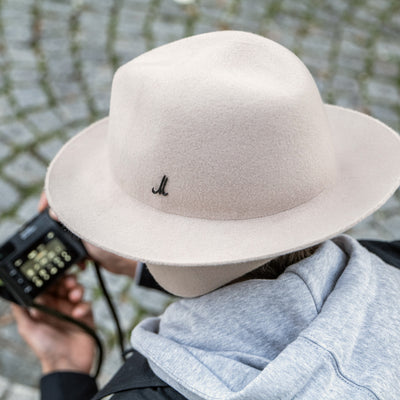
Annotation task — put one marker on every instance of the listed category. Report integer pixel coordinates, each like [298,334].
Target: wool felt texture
[218,150]
[195,281]
[326,328]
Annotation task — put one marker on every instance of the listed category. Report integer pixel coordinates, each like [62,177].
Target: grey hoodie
[327,328]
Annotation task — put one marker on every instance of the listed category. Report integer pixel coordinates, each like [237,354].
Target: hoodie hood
[328,327]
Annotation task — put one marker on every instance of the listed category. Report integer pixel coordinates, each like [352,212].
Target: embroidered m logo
[161,189]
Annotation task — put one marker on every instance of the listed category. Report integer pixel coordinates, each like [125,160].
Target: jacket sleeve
[67,386]
[387,251]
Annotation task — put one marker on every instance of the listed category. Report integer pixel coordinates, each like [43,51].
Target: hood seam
[339,373]
[306,285]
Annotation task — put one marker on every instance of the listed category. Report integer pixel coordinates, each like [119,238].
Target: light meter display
[36,256]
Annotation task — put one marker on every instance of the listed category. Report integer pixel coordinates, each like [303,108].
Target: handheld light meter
[35,256]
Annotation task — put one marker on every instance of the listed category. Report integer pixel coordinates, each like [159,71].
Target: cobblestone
[45,122]
[9,196]
[28,208]
[7,227]
[21,392]
[50,148]
[5,151]
[4,383]
[25,170]
[57,60]
[16,133]
[30,97]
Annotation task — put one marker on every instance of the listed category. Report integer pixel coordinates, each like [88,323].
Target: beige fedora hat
[219,151]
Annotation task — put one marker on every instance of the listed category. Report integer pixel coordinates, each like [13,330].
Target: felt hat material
[218,150]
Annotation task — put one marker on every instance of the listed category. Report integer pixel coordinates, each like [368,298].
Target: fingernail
[53,214]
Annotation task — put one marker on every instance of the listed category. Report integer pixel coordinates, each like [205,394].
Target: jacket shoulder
[387,251]
[136,381]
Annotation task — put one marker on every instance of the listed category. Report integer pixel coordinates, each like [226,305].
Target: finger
[82,311]
[81,265]
[43,203]
[53,214]
[62,286]
[76,295]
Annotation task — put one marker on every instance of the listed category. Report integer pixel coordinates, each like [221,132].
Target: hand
[59,345]
[111,262]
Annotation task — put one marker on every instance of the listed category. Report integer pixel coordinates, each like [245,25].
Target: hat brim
[84,195]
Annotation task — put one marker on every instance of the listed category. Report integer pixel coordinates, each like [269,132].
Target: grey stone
[50,148]
[75,129]
[346,99]
[127,313]
[19,364]
[16,133]
[88,279]
[386,114]
[65,90]
[367,229]
[55,45]
[8,195]
[5,108]
[22,392]
[23,76]
[4,384]
[349,62]
[12,19]
[386,50]
[54,10]
[151,300]
[115,282]
[9,332]
[30,97]
[22,57]
[7,228]
[25,170]
[128,49]
[103,318]
[353,50]
[365,15]
[392,225]
[380,5]
[5,150]
[345,83]
[383,90]
[317,45]
[74,111]
[386,68]
[28,208]
[45,121]
[391,207]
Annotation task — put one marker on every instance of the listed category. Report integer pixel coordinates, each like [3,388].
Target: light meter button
[20,281]
[28,289]
[53,270]
[38,282]
[13,272]
[30,272]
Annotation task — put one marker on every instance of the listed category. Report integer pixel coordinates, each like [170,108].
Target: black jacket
[135,380]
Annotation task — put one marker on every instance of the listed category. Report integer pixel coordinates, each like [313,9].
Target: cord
[90,331]
[112,310]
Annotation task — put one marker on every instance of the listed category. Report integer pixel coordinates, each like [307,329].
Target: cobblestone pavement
[57,58]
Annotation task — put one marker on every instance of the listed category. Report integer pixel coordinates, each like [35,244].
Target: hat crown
[223,125]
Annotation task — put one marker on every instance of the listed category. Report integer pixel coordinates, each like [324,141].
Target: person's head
[219,155]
